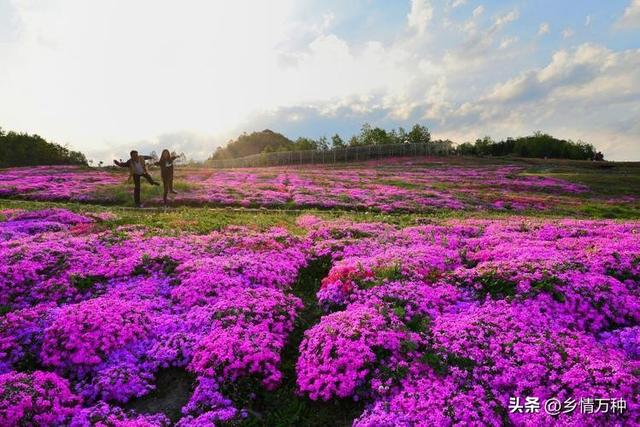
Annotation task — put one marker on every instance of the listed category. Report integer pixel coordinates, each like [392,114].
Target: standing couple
[138,169]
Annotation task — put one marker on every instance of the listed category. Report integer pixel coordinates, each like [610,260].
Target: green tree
[22,149]
[466,149]
[483,146]
[541,145]
[322,143]
[303,143]
[418,134]
[337,142]
[402,136]
[374,136]
[354,141]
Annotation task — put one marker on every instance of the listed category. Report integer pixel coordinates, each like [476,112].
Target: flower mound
[39,398]
[86,333]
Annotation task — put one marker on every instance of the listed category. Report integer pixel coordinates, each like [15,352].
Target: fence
[336,155]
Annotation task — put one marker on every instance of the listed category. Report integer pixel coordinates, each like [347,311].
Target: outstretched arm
[121,164]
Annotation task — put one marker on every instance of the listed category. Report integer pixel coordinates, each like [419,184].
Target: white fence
[337,155]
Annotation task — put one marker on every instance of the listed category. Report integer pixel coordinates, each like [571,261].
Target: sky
[105,77]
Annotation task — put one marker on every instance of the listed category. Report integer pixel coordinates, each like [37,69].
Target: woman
[166,171]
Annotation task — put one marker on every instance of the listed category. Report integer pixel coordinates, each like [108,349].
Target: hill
[254,143]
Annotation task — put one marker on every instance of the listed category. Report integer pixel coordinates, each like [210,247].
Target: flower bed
[59,183]
[103,312]
[389,186]
[437,324]
[397,185]
[444,324]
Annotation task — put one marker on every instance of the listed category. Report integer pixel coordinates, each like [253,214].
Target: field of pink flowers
[389,186]
[55,183]
[437,324]
[397,185]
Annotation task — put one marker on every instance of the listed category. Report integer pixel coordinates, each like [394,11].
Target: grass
[122,194]
[202,220]
[173,390]
[628,211]
[603,178]
[402,184]
[608,179]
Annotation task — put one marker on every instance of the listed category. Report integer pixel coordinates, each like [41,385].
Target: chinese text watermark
[554,406]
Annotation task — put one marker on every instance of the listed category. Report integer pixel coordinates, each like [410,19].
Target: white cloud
[573,95]
[192,78]
[420,16]
[631,16]
[503,20]
[327,21]
[456,3]
[567,33]
[587,21]
[588,93]
[508,41]
[544,29]
[478,48]
[589,85]
[584,70]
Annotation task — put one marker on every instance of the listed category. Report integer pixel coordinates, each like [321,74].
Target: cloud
[201,73]
[196,146]
[503,20]
[567,33]
[478,48]
[631,16]
[420,16]
[587,20]
[589,65]
[544,29]
[589,85]
[508,41]
[589,93]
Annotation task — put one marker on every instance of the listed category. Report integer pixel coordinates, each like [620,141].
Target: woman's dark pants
[167,183]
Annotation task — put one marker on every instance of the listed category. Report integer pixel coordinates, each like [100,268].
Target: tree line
[539,144]
[268,141]
[22,149]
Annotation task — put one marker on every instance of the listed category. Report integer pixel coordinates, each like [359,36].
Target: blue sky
[103,77]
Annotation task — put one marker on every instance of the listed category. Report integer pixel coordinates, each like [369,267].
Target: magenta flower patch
[441,323]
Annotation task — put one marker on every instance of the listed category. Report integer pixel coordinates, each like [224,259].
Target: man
[137,169]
